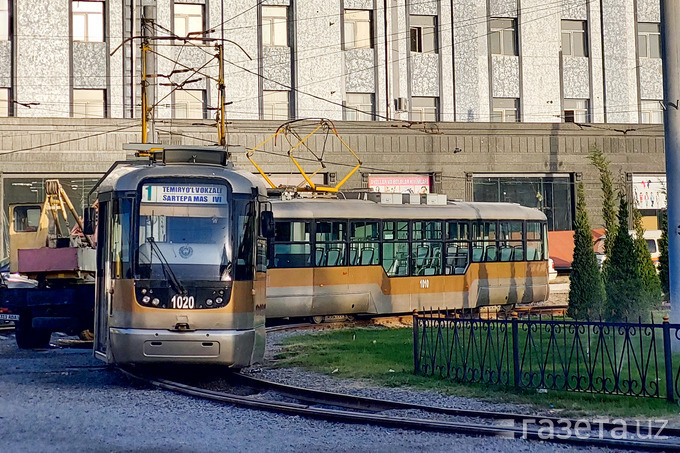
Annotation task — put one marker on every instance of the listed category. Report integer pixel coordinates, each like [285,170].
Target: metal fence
[544,353]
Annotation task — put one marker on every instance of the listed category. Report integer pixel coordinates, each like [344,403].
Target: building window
[576,111]
[574,40]
[649,40]
[359,107]
[88,21]
[549,193]
[651,112]
[188,19]
[358,30]
[274,25]
[4,20]
[275,105]
[4,102]
[505,110]
[423,34]
[424,109]
[189,104]
[88,104]
[503,36]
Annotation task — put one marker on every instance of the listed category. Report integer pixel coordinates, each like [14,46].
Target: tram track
[254,393]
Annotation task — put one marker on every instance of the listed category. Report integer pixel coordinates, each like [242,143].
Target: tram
[333,257]
[181,268]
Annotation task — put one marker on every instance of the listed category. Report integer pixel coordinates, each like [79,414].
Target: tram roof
[361,209]
[127,177]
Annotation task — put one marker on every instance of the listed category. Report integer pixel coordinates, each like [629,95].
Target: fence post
[668,359]
[515,349]
[416,338]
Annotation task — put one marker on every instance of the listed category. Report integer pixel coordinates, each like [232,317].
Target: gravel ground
[59,400]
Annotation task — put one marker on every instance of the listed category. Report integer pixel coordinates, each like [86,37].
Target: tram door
[103,295]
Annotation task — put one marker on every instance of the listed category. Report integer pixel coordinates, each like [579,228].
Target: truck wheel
[29,338]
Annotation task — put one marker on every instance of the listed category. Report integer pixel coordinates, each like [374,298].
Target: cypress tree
[586,291]
[626,296]
[600,162]
[650,278]
[663,251]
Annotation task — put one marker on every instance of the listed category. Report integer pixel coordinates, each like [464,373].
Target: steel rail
[376,405]
[344,416]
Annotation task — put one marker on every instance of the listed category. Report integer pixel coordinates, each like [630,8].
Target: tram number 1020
[184,302]
[424,283]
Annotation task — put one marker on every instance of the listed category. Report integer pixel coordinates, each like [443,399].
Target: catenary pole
[670,37]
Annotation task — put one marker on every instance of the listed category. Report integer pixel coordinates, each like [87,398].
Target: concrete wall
[67,146]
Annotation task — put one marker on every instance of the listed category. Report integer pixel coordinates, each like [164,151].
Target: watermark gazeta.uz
[547,428]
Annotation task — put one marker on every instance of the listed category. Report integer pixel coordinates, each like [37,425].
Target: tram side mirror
[267,224]
[89,220]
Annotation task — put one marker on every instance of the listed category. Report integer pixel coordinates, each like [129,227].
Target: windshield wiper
[167,269]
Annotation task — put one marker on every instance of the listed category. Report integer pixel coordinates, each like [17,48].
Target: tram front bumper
[221,347]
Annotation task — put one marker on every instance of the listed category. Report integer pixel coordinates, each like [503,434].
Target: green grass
[385,357]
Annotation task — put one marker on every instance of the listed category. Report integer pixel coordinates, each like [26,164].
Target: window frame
[190,93]
[646,34]
[5,22]
[346,45]
[86,35]
[418,29]
[497,29]
[5,102]
[270,22]
[424,113]
[579,114]
[274,116]
[501,112]
[574,28]
[647,114]
[306,254]
[85,114]
[187,18]
[360,114]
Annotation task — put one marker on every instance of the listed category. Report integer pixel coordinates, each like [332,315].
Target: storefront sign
[399,183]
[649,191]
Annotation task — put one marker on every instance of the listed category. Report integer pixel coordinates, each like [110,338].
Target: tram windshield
[193,241]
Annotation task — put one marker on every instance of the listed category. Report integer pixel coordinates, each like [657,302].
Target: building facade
[423,90]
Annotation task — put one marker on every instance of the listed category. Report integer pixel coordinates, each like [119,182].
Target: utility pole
[221,122]
[670,36]
[148,72]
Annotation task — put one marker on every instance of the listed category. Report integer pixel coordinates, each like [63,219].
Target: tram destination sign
[184,193]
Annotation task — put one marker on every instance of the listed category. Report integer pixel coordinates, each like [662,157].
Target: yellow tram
[181,261]
[353,257]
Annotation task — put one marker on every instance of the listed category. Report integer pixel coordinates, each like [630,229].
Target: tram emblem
[185,251]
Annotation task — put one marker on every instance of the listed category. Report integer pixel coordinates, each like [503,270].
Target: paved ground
[63,400]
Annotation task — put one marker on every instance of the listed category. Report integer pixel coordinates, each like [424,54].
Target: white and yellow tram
[353,257]
[180,262]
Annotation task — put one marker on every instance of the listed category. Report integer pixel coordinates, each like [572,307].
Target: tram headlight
[221,292]
[209,302]
[146,299]
[143,290]
[218,300]
[156,302]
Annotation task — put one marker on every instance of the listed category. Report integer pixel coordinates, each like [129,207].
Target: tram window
[457,255]
[292,244]
[426,258]
[395,258]
[510,241]
[26,218]
[427,230]
[291,231]
[458,231]
[244,226]
[484,242]
[363,244]
[120,238]
[395,231]
[535,243]
[330,243]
